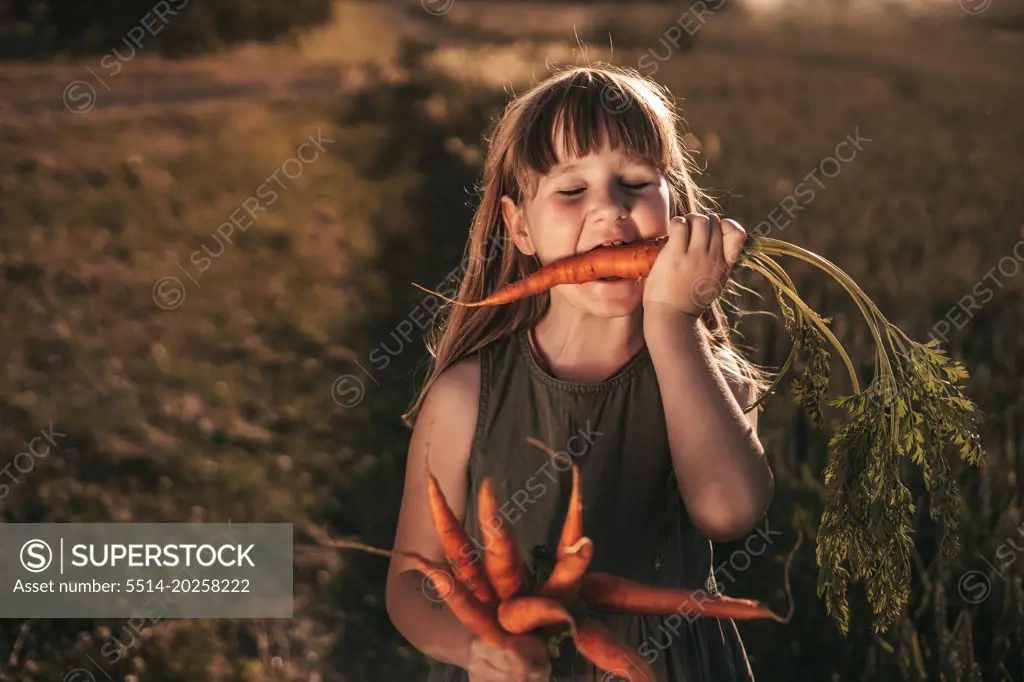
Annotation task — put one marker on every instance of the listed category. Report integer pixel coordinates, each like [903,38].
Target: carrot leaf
[913,409]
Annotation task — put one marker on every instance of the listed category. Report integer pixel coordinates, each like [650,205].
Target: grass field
[195,367]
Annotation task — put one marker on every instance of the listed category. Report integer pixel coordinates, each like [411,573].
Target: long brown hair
[638,114]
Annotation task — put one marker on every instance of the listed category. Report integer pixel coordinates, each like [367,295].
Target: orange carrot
[600,647]
[632,261]
[520,615]
[574,551]
[608,592]
[564,582]
[481,619]
[454,542]
[572,530]
[503,564]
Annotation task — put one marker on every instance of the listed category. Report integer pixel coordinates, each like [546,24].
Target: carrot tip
[543,446]
[443,297]
[789,590]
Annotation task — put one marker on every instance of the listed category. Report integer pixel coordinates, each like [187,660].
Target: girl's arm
[723,475]
[444,430]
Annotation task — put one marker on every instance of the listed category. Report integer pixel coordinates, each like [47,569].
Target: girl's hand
[527,660]
[693,266]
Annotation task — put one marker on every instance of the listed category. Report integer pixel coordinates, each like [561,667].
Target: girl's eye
[635,186]
[570,192]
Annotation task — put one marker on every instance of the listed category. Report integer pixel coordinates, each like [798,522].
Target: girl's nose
[611,207]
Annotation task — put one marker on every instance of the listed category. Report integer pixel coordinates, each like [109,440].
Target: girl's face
[609,196]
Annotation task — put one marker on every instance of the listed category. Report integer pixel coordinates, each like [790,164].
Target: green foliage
[810,387]
[866,524]
[915,406]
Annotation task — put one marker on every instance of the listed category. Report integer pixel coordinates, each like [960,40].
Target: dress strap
[486,360]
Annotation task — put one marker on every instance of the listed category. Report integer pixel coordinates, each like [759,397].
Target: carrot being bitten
[632,261]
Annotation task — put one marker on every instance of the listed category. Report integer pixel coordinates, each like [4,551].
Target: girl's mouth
[611,244]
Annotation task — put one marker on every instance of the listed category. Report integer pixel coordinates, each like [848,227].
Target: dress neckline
[540,369]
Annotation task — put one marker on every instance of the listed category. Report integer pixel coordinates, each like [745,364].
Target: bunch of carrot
[493,600]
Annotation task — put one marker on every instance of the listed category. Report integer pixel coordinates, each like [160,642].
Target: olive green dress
[615,431]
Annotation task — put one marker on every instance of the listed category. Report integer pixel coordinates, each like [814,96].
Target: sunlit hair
[583,103]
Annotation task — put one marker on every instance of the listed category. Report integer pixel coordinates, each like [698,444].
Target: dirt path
[147,81]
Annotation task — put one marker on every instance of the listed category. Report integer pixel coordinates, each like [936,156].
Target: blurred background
[211,213]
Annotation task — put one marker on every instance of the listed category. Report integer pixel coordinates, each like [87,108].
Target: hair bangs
[580,112]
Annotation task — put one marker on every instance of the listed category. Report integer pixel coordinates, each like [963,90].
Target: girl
[637,381]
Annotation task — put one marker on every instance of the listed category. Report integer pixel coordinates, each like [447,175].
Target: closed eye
[633,187]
